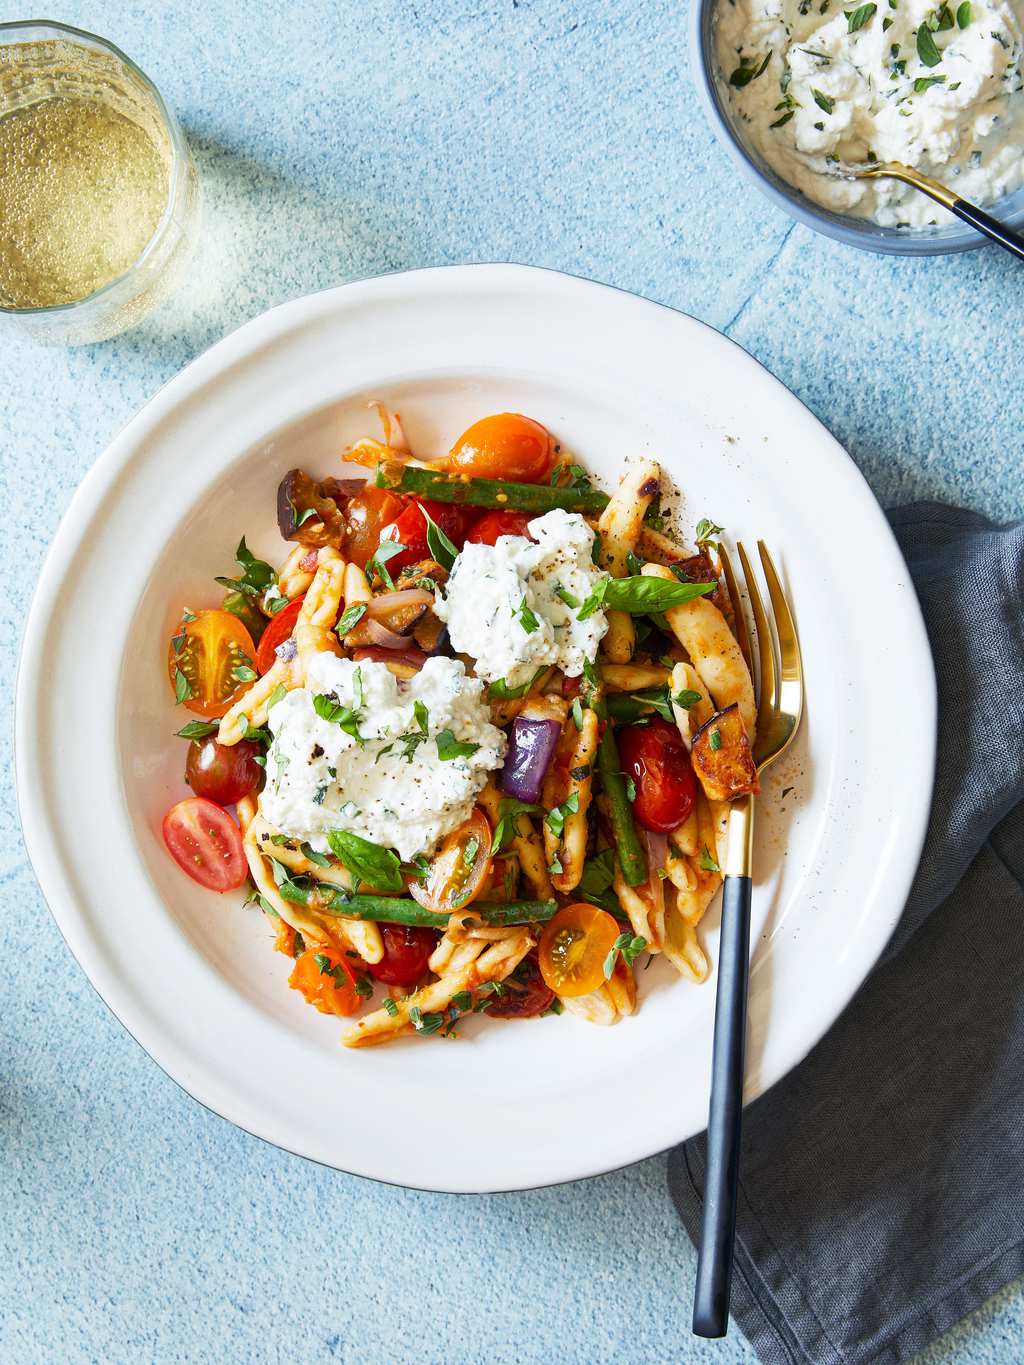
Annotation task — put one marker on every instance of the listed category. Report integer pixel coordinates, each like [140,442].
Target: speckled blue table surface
[337,141]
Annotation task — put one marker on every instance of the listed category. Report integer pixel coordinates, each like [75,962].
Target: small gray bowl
[859,232]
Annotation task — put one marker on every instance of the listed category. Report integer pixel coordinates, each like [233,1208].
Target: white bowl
[193,977]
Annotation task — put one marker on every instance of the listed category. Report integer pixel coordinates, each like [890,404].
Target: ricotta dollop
[513,606]
[387,782]
[936,86]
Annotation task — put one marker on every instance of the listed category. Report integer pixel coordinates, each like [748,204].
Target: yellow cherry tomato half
[574,946]
[210,662]
[460,869]
[505,446]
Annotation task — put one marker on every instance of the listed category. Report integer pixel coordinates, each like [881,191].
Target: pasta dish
[471,746]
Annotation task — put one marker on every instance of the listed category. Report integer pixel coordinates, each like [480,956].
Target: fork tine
[791,691]
[738,614]
[767,682]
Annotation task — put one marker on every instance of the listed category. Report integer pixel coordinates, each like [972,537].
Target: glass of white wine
[99,198]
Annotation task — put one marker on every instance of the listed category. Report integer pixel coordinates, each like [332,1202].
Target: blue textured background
[337,141]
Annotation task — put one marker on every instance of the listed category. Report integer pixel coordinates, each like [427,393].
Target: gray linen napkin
[882,1181]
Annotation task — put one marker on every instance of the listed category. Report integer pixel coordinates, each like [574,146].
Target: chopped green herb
[501,691]
[640,595]
[351,617]
[857,18]
[448,747]
[556,818]
[749,69]
[715,740]
[377,563]
[507,827]
[964,14]
[706,861]
[926,48]
[527,618]
[922,83]
[577,713]
[346,717]
[391,1007]
[687,697]
[630,946]
[823,101]
[182,687]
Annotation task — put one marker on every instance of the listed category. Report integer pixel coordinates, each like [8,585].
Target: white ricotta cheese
[389,784]
[510,605]
[829,94]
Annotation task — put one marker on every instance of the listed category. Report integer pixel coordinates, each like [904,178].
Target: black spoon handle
[718,1226]
[998,232]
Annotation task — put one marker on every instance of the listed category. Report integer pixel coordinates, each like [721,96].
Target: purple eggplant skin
[532,745]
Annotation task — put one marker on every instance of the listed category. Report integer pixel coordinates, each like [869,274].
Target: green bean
[397,910]
[519,497]
[632,859]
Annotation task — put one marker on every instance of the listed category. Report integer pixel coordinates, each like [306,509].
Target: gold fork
[780,707]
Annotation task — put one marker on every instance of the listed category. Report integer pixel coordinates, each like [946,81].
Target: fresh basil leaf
[442,551]
[311,855]
[370,864]
[448,747]
[350,618]
[386,550]
[344,716]
[964,14]
[922,83]
[509,810]
[182,687]
[641,596]
[687,698]
[198,729]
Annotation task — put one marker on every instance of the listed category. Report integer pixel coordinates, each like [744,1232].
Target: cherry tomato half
[368,512]
[209,661]
[278,630]
[573,948]
[527,996]
[505,446]
[206,843]
[658,761]
[460,869]
[407,951]
[494,524]
[223,773]
[326,980]
[410,530]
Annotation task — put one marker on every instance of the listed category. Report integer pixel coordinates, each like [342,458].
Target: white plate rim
[274,325]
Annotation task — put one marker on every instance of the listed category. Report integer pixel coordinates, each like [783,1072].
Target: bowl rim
[860,233]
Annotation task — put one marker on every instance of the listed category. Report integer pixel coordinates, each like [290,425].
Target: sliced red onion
[407,657]
[531,746]
[657,856]
[384,638]
[389,602]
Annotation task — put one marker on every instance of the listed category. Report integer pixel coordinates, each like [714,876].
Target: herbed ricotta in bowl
[814,82]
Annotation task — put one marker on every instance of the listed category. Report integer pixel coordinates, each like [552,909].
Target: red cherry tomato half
[223,773]
[210,662]
[206,843]
[658,761]
[494,524]
[279,629]
[505,446]
[410,530]
[367,513]
[527,996]
[407,951]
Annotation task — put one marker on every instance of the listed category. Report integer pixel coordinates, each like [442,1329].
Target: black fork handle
[718,1223]
[996,231]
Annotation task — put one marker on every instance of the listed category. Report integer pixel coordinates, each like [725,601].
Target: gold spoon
[895,170]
